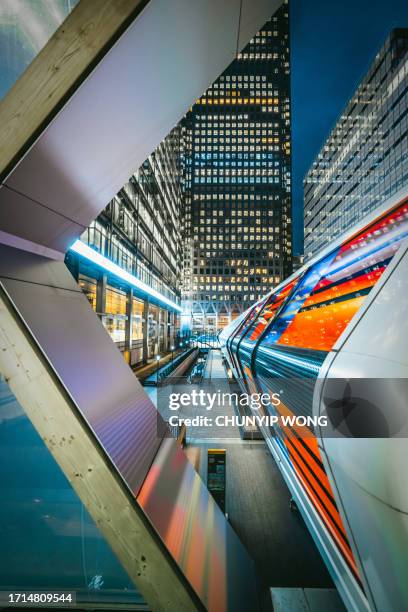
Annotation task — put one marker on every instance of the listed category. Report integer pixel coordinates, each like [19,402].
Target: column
[101,295]
[145,329]
[129,312]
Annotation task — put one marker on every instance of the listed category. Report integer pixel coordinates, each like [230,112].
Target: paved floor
[214,367]
[306,600]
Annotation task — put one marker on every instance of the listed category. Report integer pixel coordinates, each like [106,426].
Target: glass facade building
[237,182]
[365,159]
[140,231]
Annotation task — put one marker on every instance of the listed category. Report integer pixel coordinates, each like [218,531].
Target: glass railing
[25,28]
[48,540]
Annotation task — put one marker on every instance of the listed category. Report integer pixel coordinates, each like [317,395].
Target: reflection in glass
[48,539]
[25,28]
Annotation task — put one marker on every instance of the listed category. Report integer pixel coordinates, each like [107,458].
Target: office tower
[140,232]
[364,160]
[237,182]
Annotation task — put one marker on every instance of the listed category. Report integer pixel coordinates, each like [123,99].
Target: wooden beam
[56,72]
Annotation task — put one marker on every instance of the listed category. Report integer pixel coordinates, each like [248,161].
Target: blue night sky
[332,46]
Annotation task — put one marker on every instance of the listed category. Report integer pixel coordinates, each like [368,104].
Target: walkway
[214,367]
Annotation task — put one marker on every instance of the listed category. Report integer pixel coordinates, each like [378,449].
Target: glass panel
[249,320]
[242,327]
[267,312]
[137,319]
[162,329]
[25,28]
[48,539]
[153,330]
[176,329]
[335,288]
[115,319]
[88,286]
[223,321]
[116,327]
[115,301]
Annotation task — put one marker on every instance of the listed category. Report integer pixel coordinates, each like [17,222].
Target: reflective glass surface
[25,28]
[334,288]
[48,540]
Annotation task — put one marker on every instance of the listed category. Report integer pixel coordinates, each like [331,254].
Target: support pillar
[145,330]
[129,313]
[101,295]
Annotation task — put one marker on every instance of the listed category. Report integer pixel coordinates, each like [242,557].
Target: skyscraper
[237,182]
[364,160]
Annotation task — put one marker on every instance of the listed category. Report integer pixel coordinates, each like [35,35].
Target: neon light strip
[85,251]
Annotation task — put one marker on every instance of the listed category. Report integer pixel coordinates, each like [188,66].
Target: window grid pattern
[365,159]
